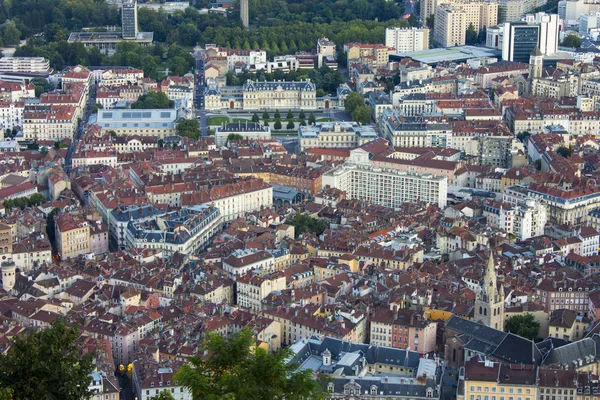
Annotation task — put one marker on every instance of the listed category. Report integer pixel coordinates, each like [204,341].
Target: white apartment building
[24,65]
[335,134]
[253,288]
[452,20]
[525,219]
[413,131]
[241,262]
[11,115]
[184,94]
[247,200]
[185,231]
[120,76]
[94,157]
[361,180]
[407,39]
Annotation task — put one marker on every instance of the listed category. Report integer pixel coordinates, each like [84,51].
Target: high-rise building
[452,20]
[521,38]
[407,39]
[244,13]
[129,22]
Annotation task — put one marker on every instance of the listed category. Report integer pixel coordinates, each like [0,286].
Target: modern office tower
[521,38]
[129,22]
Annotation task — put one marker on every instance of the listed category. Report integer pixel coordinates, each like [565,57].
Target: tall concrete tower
[489,304]
[129,20]
[9,277]
[244,13]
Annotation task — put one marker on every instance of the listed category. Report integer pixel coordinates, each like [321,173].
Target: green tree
[290,125]
[188,128]
[97,107]
[362,114]
[301,115]
[46,364]
[277,124]
[234,136]
[153,100]
[302,122]
[522,136]
[164,395]
[563,151]
[266,116]
[572,41]
[311,119]
[255,118]
[523,325]
[12,36]
[237,369]
[303,223]
[352,102]
[289,115]
[429,21]
[471,35]
[321,93]
[41,85]
[277,115]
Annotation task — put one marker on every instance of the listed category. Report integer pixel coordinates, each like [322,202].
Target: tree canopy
[563,151]
[236,369]
[362,114]
[22,202]
[303,223]
[471,35]
[234,136]
[353,101]
[153,100]
[188,128]
[523,325]
[572,41]
[46,364]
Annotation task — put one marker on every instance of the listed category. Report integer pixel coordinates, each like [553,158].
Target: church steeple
[489,304]
[536,62]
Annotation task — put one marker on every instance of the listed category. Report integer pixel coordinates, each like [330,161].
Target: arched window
[373,390]
[330,387]
[485,311]
[480,310]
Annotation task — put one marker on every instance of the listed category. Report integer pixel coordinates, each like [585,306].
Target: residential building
[407,39]
[253,288]
[568,325]
[521,38]
[362,180]
[241,262]
[403,329]
[49,122]
[486,376]
[185,231]
[453,19]
[129,19]
[335,134]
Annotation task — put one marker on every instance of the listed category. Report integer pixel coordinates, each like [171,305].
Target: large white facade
[384,186]
[407,39]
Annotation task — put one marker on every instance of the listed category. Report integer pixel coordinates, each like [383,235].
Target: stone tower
[489,304]
[9,277]
[244,13]
[536,60]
